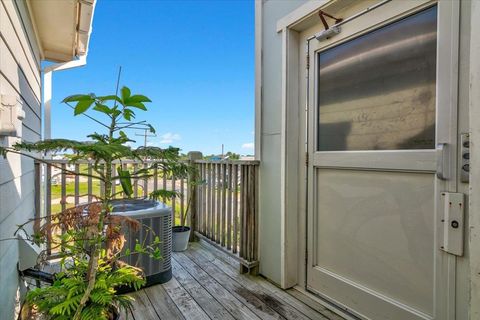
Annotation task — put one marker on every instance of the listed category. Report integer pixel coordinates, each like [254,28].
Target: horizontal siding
[32,118]
[12,75]
[13,165]
[19,77]
[10,224]
[25,27]
[20,38]
[11,192]
[9,281]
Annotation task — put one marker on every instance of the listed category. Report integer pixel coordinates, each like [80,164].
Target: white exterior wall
[20,77]
[269,113]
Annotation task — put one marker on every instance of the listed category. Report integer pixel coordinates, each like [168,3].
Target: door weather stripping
[453,222]
[335,29]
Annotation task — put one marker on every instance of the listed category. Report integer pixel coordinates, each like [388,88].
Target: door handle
[443,164]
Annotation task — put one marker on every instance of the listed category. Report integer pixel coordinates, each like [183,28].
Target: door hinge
[308,61]
[306,159]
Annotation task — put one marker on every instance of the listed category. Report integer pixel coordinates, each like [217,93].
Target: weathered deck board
[207,285]
[187,306]
[208,303]
[143,307]
[246,289]
[162,304]
[231,303]
[293,308]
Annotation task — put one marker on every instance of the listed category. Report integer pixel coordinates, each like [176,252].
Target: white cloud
[248,145]
[169,137]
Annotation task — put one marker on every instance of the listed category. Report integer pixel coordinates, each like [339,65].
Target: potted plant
[91,239]
[181,234]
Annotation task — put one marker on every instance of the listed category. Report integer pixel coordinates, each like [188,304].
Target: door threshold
[304,296]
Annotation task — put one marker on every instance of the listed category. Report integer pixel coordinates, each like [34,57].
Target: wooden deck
[206,285]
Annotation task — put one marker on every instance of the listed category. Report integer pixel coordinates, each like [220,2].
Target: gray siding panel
[20,77]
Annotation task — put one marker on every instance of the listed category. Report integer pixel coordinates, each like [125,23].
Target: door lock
[453,204]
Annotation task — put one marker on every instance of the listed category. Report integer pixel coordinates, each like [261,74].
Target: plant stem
[96,247]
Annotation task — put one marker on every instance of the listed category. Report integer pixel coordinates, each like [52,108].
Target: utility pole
[223,151]
[145,135]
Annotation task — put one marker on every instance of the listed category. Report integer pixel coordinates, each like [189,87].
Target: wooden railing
[227,207]
[224,204]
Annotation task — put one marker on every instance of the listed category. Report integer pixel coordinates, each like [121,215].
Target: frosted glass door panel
[377,91]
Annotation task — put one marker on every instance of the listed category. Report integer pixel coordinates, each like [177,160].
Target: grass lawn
[70,188]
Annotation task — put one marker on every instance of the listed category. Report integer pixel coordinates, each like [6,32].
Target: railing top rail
[244,162]
[66,161]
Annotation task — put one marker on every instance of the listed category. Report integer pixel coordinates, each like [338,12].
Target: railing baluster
[174,200]
[155,178]
[135,180]
[204,197]
[218,189]
[63,187]
[182,200]
[250,214]
[214,206]
[114,184]
[242,211]
[89,181]
[235,209]
[223,190]
[38,195]
[77,185]
[145,181]
[48,204]
[124,168]
[164,177]
[255,214]
[101,167]
[228,188]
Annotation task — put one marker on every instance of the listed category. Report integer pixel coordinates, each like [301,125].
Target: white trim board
[301,13]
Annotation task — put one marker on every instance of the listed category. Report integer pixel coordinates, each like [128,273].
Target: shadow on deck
[206,284]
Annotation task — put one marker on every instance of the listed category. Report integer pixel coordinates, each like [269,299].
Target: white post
[474,197]
[47,105]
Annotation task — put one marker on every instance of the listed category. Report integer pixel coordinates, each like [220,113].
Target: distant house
[215,158]
[31,32]
[367,132]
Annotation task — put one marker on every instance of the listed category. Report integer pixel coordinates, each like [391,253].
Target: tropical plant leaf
[82,106]
[125,181]
[109,98]
[138,98]
[79,97]
[125,91]
[137,105]
[102,108]
[151,128]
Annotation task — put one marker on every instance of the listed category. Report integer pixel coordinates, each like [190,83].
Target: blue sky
[193,59]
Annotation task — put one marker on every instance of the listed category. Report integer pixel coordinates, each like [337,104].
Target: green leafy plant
[91,242]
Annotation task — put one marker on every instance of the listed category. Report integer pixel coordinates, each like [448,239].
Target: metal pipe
[38,275]
[361,13]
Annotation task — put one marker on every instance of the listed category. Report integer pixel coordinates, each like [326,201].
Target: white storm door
[382,126]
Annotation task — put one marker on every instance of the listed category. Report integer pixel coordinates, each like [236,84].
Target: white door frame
[293,158]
